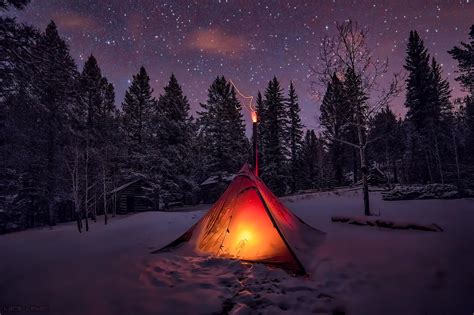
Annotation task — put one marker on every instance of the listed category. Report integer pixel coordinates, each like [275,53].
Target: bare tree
[73,165]
[87,188]
[345,52]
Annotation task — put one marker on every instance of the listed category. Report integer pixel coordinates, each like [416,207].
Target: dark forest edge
[66,149]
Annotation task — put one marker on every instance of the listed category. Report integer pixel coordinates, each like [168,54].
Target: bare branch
[348,143]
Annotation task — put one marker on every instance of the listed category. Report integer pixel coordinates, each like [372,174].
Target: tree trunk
[394,170]
[86,204]
[105,195]
[79,221]
[94,213]
[50,178]
[428,165]
[354,166]
[115,203]
[364,169]
[438,157]
[387,165]
[456,157]
[365,183]
[320,167]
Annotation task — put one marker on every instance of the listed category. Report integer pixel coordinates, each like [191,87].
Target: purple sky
[247,41]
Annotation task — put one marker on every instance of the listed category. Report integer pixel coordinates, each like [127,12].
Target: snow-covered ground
[360,270]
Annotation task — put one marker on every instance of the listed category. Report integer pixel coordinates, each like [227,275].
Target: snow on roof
[124,186]
[218,178]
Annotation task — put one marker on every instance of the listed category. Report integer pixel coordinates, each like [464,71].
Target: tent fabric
[249,223]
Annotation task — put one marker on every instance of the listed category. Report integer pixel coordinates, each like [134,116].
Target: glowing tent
[249,223]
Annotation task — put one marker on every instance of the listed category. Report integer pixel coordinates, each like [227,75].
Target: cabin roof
[125,185]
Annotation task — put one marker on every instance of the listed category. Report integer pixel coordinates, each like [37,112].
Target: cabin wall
[132,199]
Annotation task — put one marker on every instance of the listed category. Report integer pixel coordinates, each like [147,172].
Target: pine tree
[222,129]
[311,161]
[20,55]
[295,135]
[418,87]
[91,92]
[37,95]
[469,127]
[335,113]
[441,92]
[107,118]
[442,127]
[56,85]
[174,137]
[388,146]
[429,111]
[91,99]
[274,139]
[464,55]
[138,115]
[97,119]
[18,4]
[424,103]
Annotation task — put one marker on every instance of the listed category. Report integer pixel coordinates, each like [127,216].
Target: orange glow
[254,116]
[250,234]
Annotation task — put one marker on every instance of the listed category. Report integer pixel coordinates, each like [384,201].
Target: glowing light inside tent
[251,234]
[245,236]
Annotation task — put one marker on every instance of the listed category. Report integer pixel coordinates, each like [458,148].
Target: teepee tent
[249,223]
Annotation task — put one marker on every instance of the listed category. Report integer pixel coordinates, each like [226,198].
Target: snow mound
[432,191]
[398,225]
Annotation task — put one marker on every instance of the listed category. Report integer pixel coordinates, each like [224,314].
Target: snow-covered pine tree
[274,139]
[174,138]
[295,137]
[19,55]
[222,129]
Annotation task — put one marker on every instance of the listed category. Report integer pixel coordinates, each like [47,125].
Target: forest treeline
[64,142]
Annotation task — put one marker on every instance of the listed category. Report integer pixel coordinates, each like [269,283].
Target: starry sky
[247,41]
